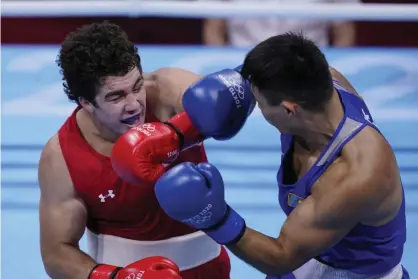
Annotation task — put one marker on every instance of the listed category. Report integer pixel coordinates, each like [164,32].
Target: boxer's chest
[110,198]
[106,195]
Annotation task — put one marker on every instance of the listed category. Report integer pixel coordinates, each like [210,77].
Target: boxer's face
[121,102]
[280,116]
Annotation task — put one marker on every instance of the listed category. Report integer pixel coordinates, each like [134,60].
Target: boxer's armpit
[62,218]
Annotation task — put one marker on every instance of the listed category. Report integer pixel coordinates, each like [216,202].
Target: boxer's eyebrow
[140,78]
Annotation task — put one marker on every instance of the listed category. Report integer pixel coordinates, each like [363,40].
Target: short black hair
[290,67]
[91,53]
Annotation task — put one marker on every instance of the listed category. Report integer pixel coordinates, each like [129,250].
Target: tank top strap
[348,131]
[338,85]
[75,149]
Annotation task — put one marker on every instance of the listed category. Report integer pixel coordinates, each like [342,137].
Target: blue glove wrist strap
[230,230]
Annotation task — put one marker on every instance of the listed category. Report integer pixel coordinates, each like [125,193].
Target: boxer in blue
[339,181]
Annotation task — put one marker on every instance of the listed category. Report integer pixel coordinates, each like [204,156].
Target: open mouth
[131,120]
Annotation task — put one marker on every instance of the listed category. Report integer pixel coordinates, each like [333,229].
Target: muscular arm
[166,86]
[62,219]
[344,196]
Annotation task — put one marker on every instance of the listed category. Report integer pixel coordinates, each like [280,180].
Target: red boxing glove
[140,154]
[148,268]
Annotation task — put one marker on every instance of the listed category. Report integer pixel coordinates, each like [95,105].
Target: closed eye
[138,89]
[114,96]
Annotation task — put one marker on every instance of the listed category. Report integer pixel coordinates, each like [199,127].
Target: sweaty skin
[365,186]
[165,89]
[62,213]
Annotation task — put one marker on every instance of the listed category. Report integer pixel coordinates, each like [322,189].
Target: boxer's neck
[320,127]
[93,131]
[103,133]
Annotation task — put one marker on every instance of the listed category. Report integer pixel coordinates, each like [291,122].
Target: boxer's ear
[289,107]
[86,104]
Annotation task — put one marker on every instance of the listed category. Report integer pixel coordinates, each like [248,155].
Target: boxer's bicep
[324,218]
[62,218]
[62,214]
[62,223]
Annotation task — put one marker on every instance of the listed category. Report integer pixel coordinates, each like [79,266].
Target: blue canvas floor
[34,107]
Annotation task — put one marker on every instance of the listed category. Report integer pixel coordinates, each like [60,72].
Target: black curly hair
[91,53]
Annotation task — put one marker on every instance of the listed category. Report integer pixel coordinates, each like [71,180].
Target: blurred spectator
[248,32]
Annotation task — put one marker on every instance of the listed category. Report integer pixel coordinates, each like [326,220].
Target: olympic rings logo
[237,87]
[149,127]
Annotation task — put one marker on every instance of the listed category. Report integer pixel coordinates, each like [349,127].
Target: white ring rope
[197,9]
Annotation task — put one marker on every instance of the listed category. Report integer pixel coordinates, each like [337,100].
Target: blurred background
[376,50]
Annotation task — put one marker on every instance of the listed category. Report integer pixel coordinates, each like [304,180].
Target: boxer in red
[80,190]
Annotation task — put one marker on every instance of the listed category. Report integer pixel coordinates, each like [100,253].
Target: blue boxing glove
[219,104]
[194,195]
[216,106]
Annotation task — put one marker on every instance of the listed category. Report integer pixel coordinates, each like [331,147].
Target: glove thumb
[213,178]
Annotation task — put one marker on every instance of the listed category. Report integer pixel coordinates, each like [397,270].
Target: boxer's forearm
[263,253]
[68,262]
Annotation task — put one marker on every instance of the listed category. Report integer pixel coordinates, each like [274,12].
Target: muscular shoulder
[370,155]
[51,148]
[165,86]
[51,154]
[54,178]
[343,80]
[365,178]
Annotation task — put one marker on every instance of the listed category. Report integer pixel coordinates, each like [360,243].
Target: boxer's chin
[125,127]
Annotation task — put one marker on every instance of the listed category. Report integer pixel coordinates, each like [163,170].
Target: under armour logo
[109,195]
